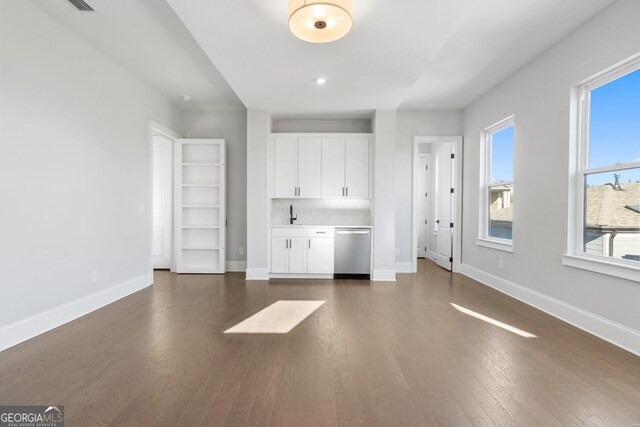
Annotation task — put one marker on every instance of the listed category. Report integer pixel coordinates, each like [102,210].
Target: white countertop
[319,226]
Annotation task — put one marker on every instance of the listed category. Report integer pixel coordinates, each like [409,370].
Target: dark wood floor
[375,354]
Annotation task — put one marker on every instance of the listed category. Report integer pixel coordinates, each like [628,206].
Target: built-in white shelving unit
[200,208]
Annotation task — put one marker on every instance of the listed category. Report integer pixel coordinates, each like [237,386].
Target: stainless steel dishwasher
[352,253]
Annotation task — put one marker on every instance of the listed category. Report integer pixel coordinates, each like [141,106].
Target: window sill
[494,244]
[603,267]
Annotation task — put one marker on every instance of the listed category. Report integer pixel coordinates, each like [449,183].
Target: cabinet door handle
[342,191]
[347,191]
[299,192]
[309,243]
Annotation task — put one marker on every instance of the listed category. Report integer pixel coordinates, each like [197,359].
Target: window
[496,216]
[607,178]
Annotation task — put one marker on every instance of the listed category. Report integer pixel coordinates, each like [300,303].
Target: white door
[357,168]
[320,255]
[424,204]
[445,205]
[298,255]
[333,168]
[284,167]
[162,167]
[279,254]
[309,173]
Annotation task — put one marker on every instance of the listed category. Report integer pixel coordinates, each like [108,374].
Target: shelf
[200,170]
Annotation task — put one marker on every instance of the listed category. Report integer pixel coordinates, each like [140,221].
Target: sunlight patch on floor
[279,318]
[493,321]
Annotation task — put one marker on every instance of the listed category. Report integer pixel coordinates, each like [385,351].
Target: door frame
[457,201]
[155,128]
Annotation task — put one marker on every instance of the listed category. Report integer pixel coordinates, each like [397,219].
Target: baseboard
[22,330]
[380,275]
[615,333]
[433,256]
[300,276]
[404,267]
[257,274]
[236,265]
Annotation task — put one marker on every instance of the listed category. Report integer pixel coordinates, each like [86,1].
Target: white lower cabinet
[302,251]
[320,255]
[298,255]
[279,254]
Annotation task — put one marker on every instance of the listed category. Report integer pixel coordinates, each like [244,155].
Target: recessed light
[185,98]
[321,80]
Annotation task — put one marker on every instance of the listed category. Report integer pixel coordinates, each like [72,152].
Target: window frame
[486,162]
[581,109]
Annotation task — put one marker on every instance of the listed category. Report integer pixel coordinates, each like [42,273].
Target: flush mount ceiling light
[320,80]
[318,21]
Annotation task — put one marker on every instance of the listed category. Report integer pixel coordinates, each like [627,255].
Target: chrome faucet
[291,217]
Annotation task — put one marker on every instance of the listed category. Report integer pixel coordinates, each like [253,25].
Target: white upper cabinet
[296,167]
[333,167]
[285,180]
[357,168]
[345,168]
[318,166]
[309,161]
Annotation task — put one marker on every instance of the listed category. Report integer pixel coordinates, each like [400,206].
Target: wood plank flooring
[375,354]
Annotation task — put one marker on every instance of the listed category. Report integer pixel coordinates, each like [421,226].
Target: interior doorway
[161,192]
[162,201]
[424,221]
[436,225]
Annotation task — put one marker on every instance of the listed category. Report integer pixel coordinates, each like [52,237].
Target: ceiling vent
[81,5]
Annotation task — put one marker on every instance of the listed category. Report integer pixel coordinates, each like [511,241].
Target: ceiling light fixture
[320,21]
[321,80]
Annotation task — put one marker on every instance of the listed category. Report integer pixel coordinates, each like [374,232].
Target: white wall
[232,126]
[258,202]
[74,170]
[384,214]
[538,95]
[412,123]
[321,126]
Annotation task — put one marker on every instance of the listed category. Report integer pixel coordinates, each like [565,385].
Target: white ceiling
[409,54]
[147,39]
[421,54]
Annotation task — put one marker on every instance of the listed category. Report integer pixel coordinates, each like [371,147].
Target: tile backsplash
[322,211]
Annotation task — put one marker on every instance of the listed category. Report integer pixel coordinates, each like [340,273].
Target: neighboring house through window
[606,226]
[496,207]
